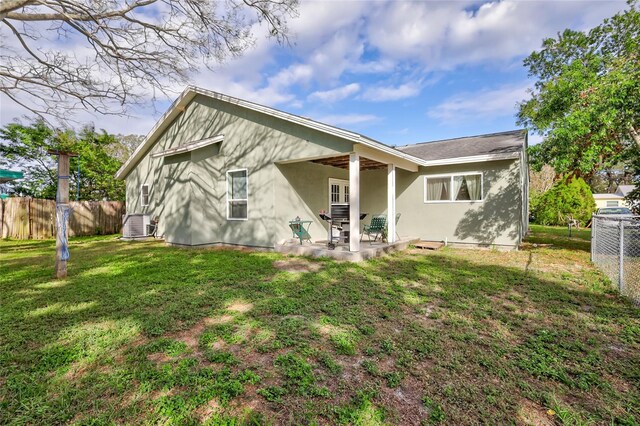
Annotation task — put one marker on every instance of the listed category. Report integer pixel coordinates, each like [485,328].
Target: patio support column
[354,201]
[391,203]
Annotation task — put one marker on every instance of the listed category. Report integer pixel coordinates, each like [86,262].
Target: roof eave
[472,159]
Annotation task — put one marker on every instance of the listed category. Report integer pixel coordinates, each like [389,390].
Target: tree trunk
[635,135]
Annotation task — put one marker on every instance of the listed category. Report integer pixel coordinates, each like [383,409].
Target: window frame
[237,199]
[148,195]
[451,176]
[342,185]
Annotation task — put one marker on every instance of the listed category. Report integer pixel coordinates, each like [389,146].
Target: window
[612,204]
[459,187]
[237,194]
[144,195]
[338,192]
[335,193]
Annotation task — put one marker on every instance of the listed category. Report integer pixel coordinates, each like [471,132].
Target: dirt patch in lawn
[191,336]
[405,402]
[205,411]
[240,307]
[159,357]
[534,414]
[297,265]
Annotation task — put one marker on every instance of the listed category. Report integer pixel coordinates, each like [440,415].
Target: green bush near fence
[570,197]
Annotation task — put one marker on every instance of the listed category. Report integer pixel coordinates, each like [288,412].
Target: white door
[338,192]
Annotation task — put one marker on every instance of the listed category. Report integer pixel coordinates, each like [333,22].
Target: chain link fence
[615,249]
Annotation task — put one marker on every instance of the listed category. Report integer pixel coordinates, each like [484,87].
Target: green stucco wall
[188,191]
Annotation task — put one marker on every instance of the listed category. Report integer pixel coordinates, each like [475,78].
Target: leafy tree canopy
[24,147]
[586,101]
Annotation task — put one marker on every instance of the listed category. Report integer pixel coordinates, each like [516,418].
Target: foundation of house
[341,251]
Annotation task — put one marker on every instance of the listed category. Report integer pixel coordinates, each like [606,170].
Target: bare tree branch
[127,48]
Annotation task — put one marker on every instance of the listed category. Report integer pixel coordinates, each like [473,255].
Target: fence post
[593,235]
[621,265]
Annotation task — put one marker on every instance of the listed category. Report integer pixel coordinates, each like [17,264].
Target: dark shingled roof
[493,143]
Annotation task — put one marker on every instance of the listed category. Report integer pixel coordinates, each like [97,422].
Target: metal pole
[78,181]
[621,266]
[593,236]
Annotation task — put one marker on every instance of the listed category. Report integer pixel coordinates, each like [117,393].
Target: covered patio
[361,159]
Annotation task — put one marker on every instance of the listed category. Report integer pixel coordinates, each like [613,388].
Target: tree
[126,48]
[608,179]
[542,180]
[569,197]
[586,100]
[634,164]
[25,147]
[125,146]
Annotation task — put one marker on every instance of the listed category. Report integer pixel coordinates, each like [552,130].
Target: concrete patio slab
[341,252]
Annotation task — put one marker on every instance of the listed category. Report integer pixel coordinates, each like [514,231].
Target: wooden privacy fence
[32,218]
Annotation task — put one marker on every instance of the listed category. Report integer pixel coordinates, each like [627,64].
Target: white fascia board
[189,147]
[607,196]
[472,159]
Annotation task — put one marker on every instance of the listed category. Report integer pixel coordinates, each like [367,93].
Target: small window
[612,204]
[467,187]
[459,187]
[346,194]
[335,193]
[144,195]
[237,194]
[438,188]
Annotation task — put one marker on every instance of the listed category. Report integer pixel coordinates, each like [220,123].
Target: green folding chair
[375,228]
[300,229]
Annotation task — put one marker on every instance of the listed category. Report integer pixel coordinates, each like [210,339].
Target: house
[617,199]
[221,170]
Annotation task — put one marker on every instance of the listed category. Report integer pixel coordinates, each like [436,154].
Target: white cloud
[443,35]
[348,119]
[498,102]
[337,94]
[393,93]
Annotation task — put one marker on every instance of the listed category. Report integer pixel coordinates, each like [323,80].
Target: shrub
[568,197]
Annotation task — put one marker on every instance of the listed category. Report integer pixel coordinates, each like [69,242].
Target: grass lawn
[144,333]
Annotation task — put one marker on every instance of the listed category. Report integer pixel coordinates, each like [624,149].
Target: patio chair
[300,229]
[375,228]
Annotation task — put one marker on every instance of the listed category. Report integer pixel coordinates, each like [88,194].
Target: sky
[399,72]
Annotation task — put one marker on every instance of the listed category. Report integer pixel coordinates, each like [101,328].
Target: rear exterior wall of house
[188,192]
